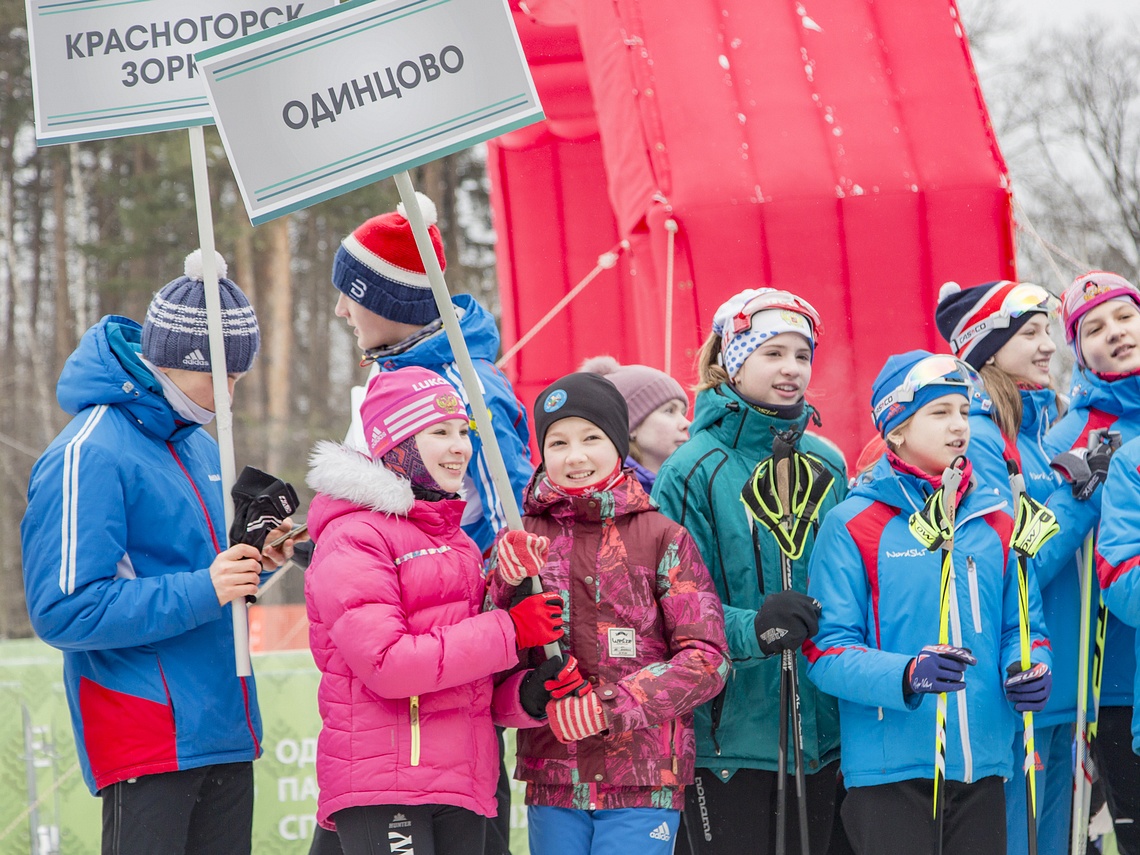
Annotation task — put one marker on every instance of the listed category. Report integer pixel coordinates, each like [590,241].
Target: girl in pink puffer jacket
[407,758]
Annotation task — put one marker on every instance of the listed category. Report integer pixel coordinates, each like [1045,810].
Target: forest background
[95,228]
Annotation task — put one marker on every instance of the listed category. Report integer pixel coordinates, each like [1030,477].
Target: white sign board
[108,68]
[311,110]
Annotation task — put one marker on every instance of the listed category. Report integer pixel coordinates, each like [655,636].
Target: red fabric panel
[839,148]
[125,736]
[866,529]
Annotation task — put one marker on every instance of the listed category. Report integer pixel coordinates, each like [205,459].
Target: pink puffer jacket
[394,595]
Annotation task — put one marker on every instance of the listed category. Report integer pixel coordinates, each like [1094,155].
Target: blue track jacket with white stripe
[483,517]
[879,590]
[124,519]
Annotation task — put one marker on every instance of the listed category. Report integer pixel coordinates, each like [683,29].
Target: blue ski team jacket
[1096,403]
[1055,565]
[124,519]
[483,517]
[1118,544]
[879,588]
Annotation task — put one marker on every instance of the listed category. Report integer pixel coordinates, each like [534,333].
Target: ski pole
[783,447]
[933,526]
[1033,525]
[1082,784]
[491,450]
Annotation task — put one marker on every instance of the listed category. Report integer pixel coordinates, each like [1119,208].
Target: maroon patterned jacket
[647,628]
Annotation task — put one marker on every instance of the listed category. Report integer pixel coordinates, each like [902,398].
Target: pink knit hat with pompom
[644,388]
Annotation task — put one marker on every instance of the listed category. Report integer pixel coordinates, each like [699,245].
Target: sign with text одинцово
[108,68]
[354,94]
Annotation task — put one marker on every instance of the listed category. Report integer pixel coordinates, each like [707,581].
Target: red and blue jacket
[1056,565]
[879,588]
[1114,404]
[1118,544]
[124,519]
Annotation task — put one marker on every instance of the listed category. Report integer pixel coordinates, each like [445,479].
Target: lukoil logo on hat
[554,401]
[401,403]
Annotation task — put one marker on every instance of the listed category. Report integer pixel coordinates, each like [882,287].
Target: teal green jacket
[699,486]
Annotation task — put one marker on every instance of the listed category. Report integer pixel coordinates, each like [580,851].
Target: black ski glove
[785,621]
[553,680]
[261,503]
[1085,469]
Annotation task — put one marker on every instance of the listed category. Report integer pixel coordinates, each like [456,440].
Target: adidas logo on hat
[661,832]
[195,357]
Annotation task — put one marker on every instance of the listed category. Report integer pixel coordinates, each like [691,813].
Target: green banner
[45,808]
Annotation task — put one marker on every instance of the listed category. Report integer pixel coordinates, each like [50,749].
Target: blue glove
[1029,690]
[938,668]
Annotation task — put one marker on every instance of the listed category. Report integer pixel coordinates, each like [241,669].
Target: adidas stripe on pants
[633,831]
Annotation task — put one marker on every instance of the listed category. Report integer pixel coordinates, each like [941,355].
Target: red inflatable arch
[840,148]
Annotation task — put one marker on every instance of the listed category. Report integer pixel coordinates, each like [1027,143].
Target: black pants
[325,843]
[207,810]
[897,819]
[1119,772]
[499,826]
[738,815]
[410,830]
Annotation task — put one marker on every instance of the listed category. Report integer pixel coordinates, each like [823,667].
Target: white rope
[670,256]
[605,262]
[1050,249]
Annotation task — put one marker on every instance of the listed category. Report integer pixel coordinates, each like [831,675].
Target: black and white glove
[785,621]
[1083,469]
[261,503]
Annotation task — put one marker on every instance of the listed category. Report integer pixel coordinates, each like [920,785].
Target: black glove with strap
[261,503]
[1084,470]
[785,621]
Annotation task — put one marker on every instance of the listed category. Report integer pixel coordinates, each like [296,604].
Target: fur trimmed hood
[342,472]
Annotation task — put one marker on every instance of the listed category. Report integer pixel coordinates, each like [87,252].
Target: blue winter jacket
[1118,545]
[1096,403]
[484,516]
[879,590]
[124,519]
[1055,566]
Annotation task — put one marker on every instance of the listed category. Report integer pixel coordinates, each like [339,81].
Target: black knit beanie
[588,396]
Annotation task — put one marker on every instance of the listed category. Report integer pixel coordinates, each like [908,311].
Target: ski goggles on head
[779,300]
[938,370]
[1016,300]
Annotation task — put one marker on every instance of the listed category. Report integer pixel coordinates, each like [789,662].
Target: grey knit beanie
[175,335]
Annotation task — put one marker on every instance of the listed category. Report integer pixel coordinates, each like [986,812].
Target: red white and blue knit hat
[977,322]
[401,403]
[175,333]
[379,266]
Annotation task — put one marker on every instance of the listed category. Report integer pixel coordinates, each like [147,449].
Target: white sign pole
[222,408]
[491,450]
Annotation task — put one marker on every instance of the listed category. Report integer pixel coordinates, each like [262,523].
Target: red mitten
[520,554]
[575,718]
[537,620]
[568,681]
